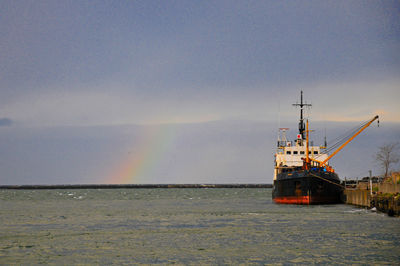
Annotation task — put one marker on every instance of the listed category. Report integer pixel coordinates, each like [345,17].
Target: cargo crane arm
[322,163]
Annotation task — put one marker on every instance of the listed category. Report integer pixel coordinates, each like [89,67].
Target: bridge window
[288,152]
[295,152]
[315,152]
[301,152]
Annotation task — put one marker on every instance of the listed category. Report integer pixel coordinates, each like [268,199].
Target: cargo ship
[302,174]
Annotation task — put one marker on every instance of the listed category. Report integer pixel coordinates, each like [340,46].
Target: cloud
[162,63]
[114,104]
[352,100]
[5,122]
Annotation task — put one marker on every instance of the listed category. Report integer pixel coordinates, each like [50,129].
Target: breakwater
[134,186]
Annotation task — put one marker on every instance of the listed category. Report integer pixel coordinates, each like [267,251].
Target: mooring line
[328,181]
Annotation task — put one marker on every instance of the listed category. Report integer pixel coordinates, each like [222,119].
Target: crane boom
[350,139]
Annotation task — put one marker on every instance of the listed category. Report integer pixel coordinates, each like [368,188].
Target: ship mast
[301,123]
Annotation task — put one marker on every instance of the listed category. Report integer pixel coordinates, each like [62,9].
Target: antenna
[282,141]
[325,142]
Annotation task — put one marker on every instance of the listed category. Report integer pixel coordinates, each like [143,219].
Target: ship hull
[307,187]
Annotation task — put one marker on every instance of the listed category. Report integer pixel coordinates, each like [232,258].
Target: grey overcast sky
[102,64]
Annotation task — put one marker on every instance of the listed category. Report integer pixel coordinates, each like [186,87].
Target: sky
[186,91]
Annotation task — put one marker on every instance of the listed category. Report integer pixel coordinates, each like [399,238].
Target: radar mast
[302,126]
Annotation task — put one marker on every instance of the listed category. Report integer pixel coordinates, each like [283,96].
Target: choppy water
[187,226]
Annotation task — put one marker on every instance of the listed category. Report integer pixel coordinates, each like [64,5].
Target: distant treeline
[114,186]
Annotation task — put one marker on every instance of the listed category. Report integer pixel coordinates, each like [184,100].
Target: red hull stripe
[293,200]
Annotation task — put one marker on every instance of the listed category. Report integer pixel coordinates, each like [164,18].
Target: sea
[184,226]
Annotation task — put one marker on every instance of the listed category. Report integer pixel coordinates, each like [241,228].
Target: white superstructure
[291,154]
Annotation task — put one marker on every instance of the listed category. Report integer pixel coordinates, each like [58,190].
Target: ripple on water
[187,226]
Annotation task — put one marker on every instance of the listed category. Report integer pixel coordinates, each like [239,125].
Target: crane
[309,161]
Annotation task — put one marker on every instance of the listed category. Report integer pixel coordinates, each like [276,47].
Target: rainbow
[147,150]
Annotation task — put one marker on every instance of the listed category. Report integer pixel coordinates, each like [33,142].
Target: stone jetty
[135,186]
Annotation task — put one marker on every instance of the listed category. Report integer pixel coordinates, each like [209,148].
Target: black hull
[307,187]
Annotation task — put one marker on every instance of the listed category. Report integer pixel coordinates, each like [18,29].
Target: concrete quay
[385,198]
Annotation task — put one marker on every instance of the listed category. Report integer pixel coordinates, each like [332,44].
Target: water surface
[187,226]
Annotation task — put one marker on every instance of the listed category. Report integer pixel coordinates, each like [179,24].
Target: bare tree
[387,155]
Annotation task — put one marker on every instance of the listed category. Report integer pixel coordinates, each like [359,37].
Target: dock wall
[389,204]
[359,197]
[386,199]
[388,188]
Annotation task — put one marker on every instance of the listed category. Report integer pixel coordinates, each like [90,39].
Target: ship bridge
[290,155]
